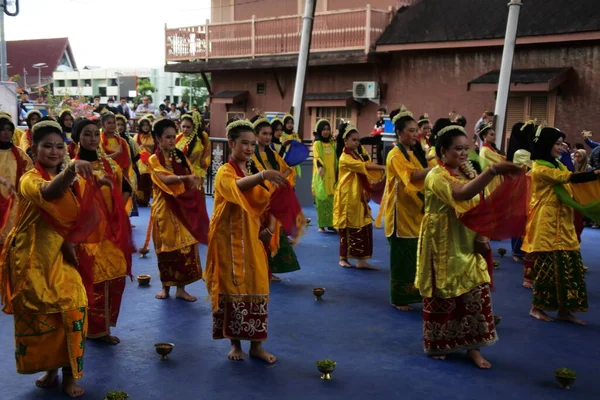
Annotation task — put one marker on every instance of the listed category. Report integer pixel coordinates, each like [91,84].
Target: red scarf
[118,227]
[90,215]
[122,159]
[283,205]
[190,206]
[485,144]
[6,203]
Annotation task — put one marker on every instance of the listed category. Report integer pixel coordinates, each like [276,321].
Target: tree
[144,88]
[196,91]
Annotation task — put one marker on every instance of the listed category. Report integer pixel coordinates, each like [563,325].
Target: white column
[510,39]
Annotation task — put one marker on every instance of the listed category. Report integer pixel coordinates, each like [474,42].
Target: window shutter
[515,111]
[539,108]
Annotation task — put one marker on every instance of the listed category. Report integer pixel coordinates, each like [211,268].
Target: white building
[117,82]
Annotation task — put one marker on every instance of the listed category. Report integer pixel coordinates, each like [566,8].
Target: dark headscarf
[541,147]
[320,127]
[520,139]
[78,128]
[285,120]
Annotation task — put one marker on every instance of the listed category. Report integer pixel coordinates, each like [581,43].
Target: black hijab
[541,146]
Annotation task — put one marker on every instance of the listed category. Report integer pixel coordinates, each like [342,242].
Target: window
[235,114]
[113,82]
[60,83]
[335,115]
[88,82]
[520,109]
[74,83]
[102,91]
[176,100]
[261,88]
[177,81]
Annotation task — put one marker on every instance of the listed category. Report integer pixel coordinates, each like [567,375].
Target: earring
[444,158]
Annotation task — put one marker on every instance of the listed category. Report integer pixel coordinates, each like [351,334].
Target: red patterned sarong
[144,192]
[356,243]
[241,317]
[180,267]
[104,311]
[460,323]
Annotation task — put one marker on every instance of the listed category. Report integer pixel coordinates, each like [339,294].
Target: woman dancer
[146,144]
[406,169]
[195,144]
[351,211]
[325,171]
[238,280]
[31,119]
[452,275]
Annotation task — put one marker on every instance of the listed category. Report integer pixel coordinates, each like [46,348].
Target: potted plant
[565,377]
[116,395]
[326,367]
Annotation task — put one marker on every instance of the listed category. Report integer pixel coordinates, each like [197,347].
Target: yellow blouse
[109,260]
[523,159]
[488,157]
[25,143]
[243,268]
[350,206]
[8,170]
[447,265]
[114,145]
[401,206]
[202,143]
[35,278]
[168,233]
[147,145]
[328,161]
[550,224]
[17,135]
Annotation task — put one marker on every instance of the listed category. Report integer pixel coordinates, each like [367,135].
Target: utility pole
[3,10]
[510,41]
[300,84]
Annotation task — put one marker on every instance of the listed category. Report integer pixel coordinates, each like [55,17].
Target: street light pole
[39,67]
[4,72]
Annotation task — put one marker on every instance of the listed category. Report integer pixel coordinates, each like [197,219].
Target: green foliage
[144,88]
[326,364]
[116,395]
[565,373]
[195,91]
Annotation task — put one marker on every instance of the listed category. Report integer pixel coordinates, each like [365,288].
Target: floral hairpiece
[349,128]
[424,119]
[238,124]
[319,122]
[455,117]
[46,124]
[538,133]
[121,117]
[260,120]
[401,114]
[451,128]
[30,113]
[106,111]
[484,128]
[276,119]
[529,122]
[65,111]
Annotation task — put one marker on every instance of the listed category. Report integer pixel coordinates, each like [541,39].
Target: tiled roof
[458,20]
[535,75]
[24,53]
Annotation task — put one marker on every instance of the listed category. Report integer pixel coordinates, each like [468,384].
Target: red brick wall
[432,82]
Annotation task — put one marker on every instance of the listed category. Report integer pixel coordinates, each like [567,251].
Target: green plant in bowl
[116,395]
[565,377]
[326,367]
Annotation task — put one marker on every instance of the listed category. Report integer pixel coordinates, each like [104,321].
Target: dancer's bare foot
[70,388]
[568,317]
[478,359]
[539,314]
[275,278]
[108,339]
[442,357]
[516,259]
[527,285]
[163,294]
[183,295]
[236,353]
[258,351]
[362,264]
[403,307]
[48,380]
[321,230]
[346,264]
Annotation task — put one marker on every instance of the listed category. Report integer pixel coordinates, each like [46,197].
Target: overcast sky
[107,33]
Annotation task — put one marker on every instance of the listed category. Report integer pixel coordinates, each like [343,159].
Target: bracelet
[262,176]
[269,231]
[179,177]
[493,169]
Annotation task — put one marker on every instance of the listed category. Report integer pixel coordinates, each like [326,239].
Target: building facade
[433,56]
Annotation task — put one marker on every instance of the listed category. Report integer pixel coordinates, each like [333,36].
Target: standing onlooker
[375,138]
[174,113]
[206,113]
[146,107]
[183,108]
[486,118]
[124,109]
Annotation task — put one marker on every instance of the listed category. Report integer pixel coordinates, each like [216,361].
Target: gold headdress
[288,115]
[402,113]
[30,113]
[238,124]
[106,111]
[46,124]
[539,130]
[529,122]
[451,128]
[276,119]
[196,118]
[4,114]
[349,128]
[262,119]
[424,119]
[121,117]
[455,117]
[319,122]
[484,128]
[65,111]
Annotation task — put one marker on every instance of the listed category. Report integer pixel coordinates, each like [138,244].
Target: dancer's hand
[105,181]
[275,177]
[194,180]
[83,168]
[505,168]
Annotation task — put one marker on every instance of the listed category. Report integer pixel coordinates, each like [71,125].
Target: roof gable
[460,20]
[22,54]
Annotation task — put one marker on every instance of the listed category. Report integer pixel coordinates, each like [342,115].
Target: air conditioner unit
[365,90]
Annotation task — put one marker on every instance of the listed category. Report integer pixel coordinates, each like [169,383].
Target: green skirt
[403,268]
[285,260]
[325,212]
[559,281]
